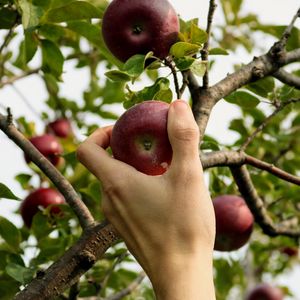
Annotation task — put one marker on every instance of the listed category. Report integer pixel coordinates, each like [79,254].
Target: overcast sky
[11,158]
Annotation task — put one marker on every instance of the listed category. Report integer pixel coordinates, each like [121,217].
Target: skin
[166,221]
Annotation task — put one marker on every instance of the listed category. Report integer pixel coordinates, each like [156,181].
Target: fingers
[92,154]
[183,134]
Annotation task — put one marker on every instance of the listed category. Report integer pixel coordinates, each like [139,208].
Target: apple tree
[70,251]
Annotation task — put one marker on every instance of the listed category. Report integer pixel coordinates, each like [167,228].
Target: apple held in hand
[42,197]
[60,127]
[265,292]
[140,138]
[140,26]
[49,146]
[234,222]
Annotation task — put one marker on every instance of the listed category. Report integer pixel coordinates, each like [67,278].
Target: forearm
[189,279]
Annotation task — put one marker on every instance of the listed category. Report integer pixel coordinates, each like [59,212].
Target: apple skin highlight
[140,138]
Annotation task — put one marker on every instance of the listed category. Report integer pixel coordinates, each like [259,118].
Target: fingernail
[180,106]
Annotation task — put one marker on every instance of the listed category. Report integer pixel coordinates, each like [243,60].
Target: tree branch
[205,50]
[288,78]
[15,78]
[169,63]
[256,205]
[240,158]
[75,262]
[83,214]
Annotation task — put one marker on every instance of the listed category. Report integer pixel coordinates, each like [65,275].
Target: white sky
[11,158]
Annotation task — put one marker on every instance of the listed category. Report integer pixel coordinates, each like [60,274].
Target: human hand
[166,221]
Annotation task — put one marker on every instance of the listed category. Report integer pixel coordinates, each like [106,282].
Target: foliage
[52,32]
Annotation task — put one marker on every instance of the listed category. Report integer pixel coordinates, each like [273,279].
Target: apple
[60,127]
[49,146]
[140,138]
[140,26]
[42,197]
[234,222]
[290,251]
[265,291]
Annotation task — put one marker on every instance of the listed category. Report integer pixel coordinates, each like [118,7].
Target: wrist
[185,277]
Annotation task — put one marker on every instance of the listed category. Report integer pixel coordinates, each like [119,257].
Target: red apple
[290,251]
[139,26]
[140,138]
[42,197]
[60,127]
[234,222]
[265,292]
[49,146]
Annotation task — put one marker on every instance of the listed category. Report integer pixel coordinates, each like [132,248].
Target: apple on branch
[140,138]
[60,127]
[42,197]
[234,222]
[49,146]
[265,291]
[140,26]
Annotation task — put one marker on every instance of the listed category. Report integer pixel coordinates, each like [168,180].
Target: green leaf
[184,63]
[218,51]
[93,191]
[23,179]
[243,99]
[199,68]
[118,76]
[76,10]
[135,65]
[6,193]
[31,14]
[53,59]
[31,45]
[19,273]
[8,17]
[262,87]
[10,233]
[52,32]
[198,36]
[182,49]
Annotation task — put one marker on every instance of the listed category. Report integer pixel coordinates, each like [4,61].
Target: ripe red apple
[234,222]
[139,26]
[290,251]
[265,292]
[60,127]
[42,197]
[140,138]
[49,146]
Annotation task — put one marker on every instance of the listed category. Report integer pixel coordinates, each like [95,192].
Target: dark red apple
[265,292]
[49,146]
[139,26]
[140,138]
[42,197]
[60,127]
[290,251]
[234,222]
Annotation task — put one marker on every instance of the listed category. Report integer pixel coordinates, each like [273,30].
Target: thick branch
[74,263]
[84,216]
[256,205]
[288,78]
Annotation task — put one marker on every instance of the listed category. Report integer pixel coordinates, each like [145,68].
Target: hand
[167,221]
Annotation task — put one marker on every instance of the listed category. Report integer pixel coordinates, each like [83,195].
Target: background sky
[74,82]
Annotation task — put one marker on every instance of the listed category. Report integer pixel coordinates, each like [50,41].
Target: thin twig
[18,77]
[128,290]
[169,63]
[266,121]
[205,50]
[185,82]
[82,212]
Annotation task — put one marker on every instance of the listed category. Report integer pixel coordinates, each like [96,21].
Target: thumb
[183,133]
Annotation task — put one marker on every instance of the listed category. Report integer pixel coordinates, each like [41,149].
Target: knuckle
[187,134]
